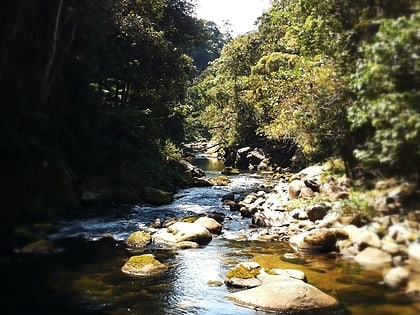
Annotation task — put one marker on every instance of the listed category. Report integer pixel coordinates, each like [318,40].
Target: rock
[220,180]
[368,239]
[413,289]
[139,239]
[230,196]
[184,231]
[396,278]
[186,245]
[157,196]
[247,211]
[144,265]
[312,184]
[164,238]
[414,257]
[201,182]
[210,224]
[245,270]
[191,169]
[306,192]
[316,241]
[289,296]
[373,257]
[317,212]
[295,187]
[271,218]
[230,171]
[289,273]
[235,282]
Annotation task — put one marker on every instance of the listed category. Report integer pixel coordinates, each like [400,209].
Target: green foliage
[387,109]
[359,204]
[299,98]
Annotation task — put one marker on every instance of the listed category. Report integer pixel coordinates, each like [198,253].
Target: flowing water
[84,275]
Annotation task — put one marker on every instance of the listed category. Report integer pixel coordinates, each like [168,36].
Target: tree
[386,115]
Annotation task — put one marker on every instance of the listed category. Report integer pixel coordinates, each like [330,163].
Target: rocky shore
[316,211]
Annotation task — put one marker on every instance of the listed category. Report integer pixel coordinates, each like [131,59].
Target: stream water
[84,276]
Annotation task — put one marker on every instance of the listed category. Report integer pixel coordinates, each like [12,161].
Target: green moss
[221,180]
[139,239]
[143,260]
[230,171]
[243,273]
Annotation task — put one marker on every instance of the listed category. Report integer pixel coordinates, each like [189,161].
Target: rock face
[144,265]
[289,296]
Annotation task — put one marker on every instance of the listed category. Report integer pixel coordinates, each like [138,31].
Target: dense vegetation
[92,95]
[96,94]
[335,77]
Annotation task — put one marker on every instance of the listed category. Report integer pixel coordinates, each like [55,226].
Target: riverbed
[84,275]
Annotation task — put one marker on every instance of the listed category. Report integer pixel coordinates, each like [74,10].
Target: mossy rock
[144,265]
[139,239]
[221,180]
[230,171]
[244,271]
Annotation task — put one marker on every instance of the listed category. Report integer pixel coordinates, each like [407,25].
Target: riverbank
[318,211]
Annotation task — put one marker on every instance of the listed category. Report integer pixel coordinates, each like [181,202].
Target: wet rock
[139,239]
[210,224]
[164,238]
[144,265]
[316,241]
[289,296]
[372,257]
[289,273]
[185,231]
[396,278]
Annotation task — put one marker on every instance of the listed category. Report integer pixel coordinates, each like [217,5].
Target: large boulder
[289,296]
[185,231]
[144,265]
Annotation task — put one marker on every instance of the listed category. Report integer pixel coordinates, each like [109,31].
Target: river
[84,275]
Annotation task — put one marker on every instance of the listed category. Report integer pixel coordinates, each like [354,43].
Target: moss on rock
[144,265]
